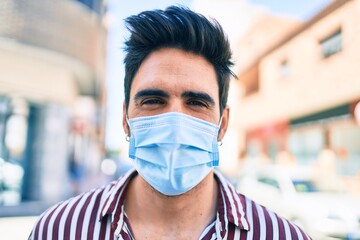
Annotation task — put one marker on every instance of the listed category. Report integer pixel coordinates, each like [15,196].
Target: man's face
[172,80]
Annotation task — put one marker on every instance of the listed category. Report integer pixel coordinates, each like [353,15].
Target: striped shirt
[99,214]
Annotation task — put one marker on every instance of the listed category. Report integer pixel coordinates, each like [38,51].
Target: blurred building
[52,65]
[300,84]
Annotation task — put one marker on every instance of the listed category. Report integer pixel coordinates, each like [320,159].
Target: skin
[172,80]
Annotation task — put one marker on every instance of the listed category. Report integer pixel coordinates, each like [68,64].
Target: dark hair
[181,28]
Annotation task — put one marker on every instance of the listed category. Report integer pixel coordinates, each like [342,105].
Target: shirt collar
[116,195]
[231,207]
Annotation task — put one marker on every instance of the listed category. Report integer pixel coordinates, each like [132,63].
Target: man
[177,72]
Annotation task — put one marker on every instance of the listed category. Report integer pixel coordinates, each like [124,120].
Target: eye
[152,101]
[197,103]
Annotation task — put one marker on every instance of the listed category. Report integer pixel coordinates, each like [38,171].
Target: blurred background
[294,137]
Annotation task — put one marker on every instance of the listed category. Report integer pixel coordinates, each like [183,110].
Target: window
[95,5]
[88,3]
[306,143]
[331,44]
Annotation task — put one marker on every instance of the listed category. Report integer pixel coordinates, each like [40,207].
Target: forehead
[176,70]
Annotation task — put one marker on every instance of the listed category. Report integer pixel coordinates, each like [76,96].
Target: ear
[224,123]
[124,122]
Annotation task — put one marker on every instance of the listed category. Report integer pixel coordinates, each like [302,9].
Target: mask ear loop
[220,142]
[127,137]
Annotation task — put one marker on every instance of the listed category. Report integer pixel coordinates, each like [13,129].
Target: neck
[144,203]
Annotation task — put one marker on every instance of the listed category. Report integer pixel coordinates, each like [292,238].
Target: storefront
[334,130]
[304,140]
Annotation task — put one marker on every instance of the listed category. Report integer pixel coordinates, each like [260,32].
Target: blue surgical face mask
[173,152]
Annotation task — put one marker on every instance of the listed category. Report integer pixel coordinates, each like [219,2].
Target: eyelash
[195,102]
[152,101]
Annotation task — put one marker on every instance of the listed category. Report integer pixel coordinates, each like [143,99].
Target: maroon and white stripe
[99,214]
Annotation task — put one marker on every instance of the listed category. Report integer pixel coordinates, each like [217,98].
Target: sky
[227,12]
[301,10]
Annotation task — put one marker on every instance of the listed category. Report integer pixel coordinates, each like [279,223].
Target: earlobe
[224,123]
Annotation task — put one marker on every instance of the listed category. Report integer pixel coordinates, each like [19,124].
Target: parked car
[323,210]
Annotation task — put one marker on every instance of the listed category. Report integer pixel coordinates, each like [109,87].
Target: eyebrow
[200,95]
[150,92]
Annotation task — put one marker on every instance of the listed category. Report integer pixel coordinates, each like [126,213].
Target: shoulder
[71,215]
[264,222]
[253,220]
